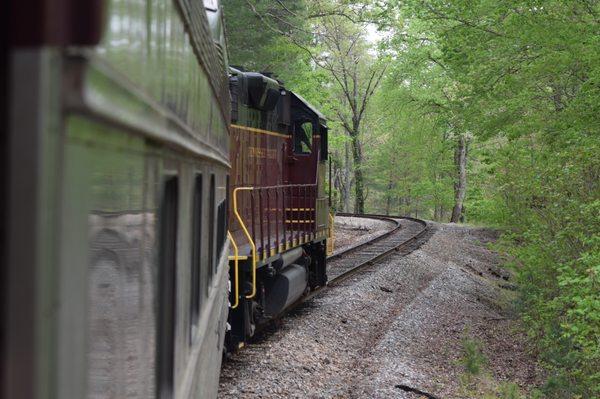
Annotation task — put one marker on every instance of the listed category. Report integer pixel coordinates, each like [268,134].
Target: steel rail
[336,255]
[379,256]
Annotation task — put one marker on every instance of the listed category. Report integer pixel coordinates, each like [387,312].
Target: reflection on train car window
[303,136]
[196,254]
[211,226]
[167,289]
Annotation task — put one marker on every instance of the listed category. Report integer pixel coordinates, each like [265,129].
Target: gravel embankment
[401,323]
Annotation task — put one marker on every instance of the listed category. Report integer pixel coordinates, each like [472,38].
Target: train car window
[221,226]
[222,220]
[196,255]
[211,226]
[303,136]
[167,289]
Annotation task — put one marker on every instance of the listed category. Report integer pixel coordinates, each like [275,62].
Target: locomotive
[156,203]
[279,219]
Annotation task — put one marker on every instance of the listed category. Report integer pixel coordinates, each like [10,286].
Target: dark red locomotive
[278,211]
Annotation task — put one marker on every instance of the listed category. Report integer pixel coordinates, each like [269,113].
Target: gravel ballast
[400,324]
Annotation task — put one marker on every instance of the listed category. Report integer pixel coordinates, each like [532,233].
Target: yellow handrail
[241,222]
[235,271]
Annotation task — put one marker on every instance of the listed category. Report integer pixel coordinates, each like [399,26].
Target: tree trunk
[460,184]
[346,178]
[359,189]
[388,199]
[405,204]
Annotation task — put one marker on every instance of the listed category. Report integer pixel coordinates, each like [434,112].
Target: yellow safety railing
[330,238]
[235,272]
[291,230]
[248,236]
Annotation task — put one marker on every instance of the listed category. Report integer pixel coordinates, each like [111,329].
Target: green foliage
[509,391]
[409,162]
[478,382]
[255,43]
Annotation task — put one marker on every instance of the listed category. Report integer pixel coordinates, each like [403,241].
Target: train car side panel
[107,145]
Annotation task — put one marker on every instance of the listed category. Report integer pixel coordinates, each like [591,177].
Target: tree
[344,54]
[460,184]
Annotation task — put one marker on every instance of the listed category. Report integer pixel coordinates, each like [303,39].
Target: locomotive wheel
[251,310]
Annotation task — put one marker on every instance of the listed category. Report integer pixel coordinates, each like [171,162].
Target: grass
[478,382]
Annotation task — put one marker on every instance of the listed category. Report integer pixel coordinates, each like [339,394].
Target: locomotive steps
[396,329]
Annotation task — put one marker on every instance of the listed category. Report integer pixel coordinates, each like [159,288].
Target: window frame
[296,142]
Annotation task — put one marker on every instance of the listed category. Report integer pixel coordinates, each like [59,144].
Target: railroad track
[406,233]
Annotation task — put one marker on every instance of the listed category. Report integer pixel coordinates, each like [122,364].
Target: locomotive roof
[322,118]
[238,70]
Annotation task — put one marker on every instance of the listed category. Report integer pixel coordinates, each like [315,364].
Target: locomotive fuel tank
[285,288]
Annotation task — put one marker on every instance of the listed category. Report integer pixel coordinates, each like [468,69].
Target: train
[279,219]
[158,205]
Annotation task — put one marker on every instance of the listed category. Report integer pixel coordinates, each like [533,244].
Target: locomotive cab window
[303,137]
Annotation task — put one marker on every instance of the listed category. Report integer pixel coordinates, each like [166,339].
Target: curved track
[406,234]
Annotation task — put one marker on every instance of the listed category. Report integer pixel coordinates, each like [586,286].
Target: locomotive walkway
[395,330]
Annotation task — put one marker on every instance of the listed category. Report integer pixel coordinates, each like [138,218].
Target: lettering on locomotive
[262,153]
